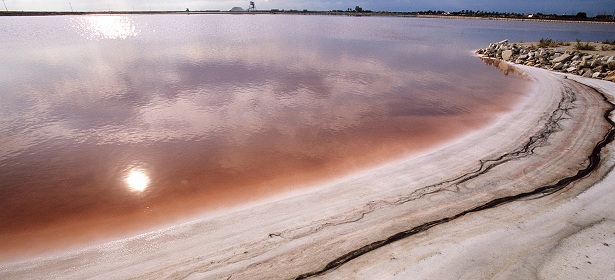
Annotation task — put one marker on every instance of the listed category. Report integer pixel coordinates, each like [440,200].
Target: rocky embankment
[573,62]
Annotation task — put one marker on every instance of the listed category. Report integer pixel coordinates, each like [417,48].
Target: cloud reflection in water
[214,104]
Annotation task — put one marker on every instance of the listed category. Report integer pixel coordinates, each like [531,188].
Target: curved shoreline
[563,236]
[302,233]
[534,142]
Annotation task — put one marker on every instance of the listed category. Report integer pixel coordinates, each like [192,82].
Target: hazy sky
[591,7]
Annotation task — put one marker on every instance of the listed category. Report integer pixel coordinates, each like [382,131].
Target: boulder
[561,58]
[574,62]
[588,73]
[597,62]
[558,66]
[506,55]
[543,53]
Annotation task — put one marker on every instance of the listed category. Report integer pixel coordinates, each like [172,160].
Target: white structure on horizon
[251,7]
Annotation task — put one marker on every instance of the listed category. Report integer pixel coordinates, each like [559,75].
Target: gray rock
[573,62]
[596,62]
[588,73]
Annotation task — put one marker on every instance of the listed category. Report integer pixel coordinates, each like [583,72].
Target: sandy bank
[488,205]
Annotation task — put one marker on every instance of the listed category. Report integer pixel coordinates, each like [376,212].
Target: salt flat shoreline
[340,229]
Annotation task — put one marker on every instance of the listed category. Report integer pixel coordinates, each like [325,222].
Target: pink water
[114,124]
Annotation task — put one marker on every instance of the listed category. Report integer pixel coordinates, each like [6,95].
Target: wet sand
[429,210]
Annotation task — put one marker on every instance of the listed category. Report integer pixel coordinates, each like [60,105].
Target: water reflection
[137,180]
[217,113]
[502,66]
[106,27]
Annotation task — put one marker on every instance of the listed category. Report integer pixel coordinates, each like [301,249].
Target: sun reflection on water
[106,27]
[137,180]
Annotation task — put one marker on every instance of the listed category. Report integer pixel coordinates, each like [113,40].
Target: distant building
[237,9]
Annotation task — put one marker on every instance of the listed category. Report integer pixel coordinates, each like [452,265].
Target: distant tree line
[470,13]
[359,11]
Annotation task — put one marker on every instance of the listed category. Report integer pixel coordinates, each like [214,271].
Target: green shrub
[543,43]
[584,46]
[607,42]
[549,43]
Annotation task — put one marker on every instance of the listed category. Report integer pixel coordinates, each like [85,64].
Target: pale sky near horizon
[591,7]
